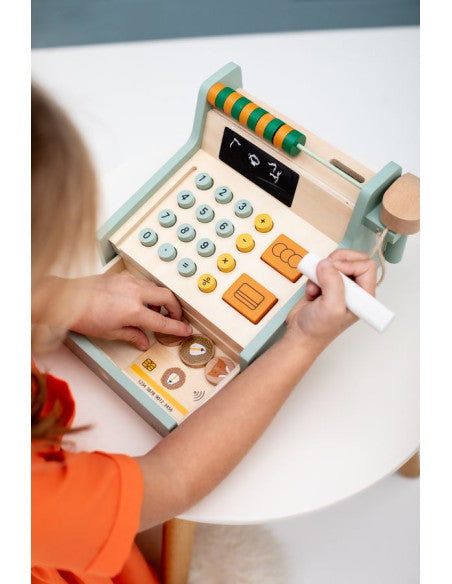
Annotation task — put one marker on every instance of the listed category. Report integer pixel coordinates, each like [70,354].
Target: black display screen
[259,167]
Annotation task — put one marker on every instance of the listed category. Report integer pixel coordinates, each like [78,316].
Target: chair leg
[411,468]
[177,544]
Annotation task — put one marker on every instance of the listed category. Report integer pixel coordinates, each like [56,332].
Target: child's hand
[119,306]
[322,314]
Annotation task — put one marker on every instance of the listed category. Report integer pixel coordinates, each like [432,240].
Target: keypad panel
[220,231]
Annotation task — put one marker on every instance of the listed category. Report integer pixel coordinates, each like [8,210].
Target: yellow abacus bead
[207,283]
[244,243]
[213,92]
[263,223]
[225,262]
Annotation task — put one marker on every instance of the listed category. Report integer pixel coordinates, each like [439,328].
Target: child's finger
[156,322]
[347,255]
[158,296]
[330,281]
[363,271]
[133,335]
[312,291]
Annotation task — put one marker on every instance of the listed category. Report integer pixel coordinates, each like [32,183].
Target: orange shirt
[85,510]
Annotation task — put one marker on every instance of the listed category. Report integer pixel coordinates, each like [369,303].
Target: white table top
[354,417]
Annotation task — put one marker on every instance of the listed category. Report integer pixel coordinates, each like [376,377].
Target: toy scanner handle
[358,301]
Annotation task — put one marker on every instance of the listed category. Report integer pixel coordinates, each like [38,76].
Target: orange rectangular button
[250,298]
[284,255]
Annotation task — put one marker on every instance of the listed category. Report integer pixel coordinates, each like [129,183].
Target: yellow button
[263,223]
[225,262]
[207,283]
[244,242]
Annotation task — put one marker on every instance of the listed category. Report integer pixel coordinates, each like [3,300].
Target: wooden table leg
[177,544]
[412,468]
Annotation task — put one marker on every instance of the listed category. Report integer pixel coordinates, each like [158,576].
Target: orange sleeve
[85,511]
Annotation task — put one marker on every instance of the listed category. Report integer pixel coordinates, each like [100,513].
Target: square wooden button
[250,298]
[284,255]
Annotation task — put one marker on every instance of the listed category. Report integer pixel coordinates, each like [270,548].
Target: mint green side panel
[230,75]
[125,387]
[359,234]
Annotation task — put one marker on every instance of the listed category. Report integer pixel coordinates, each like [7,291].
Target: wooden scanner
[224,225]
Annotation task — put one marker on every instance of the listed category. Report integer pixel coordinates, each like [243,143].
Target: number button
[243,208]
[185,199]
[225,262]
[167,252]
[203,181]
[148,237]
[263,223]
[205,247]
[223,195]
[207,283]
[204,213]
[186,232]
[244,243]
[167,218]
[224,228]
[186,267]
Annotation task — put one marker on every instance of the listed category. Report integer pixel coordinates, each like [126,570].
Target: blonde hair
[63,212]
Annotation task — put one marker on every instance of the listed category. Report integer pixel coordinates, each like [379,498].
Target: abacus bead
[148,237]
[271,128]
[167,252]
[185,199]
[238,106]
[254,117]
[222,97]
[203,181]
[223,195]
[243,208]
[167,218]
[290,142]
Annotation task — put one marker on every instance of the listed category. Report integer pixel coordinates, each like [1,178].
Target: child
[88,506]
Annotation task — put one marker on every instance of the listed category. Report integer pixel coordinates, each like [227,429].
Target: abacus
[225,225]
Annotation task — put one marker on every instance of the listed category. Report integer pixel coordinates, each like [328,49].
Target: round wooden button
[169,340]
[218,368]
[196,351]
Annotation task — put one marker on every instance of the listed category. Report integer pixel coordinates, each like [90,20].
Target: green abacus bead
[222,97]
[238,106]
[271,129]
[290,142]
[254,117]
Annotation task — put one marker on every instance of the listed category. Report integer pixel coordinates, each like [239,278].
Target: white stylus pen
[358,301]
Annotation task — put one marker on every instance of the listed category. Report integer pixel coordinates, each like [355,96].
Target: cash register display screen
[259,167]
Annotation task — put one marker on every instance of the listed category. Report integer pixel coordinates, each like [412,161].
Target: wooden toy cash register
[224,225]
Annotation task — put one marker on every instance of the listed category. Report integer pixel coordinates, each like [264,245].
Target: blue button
[148,237]
[224,228]
[243,208]
[167,218]
[223,195]
[203,181]
[185,199]
[205,247]
[186,232]
[167,252]
[204,213]
[186,267]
